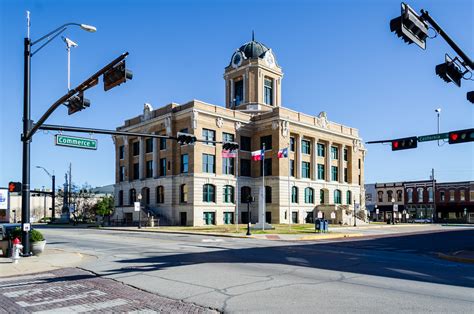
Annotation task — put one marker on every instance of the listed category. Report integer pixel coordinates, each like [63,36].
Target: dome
[253,49]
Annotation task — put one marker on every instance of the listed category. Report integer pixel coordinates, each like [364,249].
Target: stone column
[141,159]
[298,157]
[328,161]
[341,163]
[156,156]
[314,160]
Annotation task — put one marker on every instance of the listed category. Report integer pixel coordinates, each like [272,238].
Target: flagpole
[263,188]
[289,189]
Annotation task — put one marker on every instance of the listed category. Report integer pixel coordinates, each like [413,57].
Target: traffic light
[116,76]
[470,96]
[405,143]
[449,71]
[410,27]
[14,187]
[185,138]
[461,136]
[77,103]
[230,146]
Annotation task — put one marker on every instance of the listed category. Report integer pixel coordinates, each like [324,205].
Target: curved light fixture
[88,28]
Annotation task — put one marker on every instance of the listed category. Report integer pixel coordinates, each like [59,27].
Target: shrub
[16,233]
[36,236]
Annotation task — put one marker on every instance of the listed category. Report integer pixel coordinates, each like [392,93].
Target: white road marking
[212,240]
[49,300]
[86,307]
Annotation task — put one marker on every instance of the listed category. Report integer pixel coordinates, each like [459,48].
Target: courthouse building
[193,185]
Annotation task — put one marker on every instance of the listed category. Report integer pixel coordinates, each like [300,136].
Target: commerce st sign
[76,142]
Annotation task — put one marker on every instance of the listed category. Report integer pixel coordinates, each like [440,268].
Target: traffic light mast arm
[91,81]
[425,15]
[379,142]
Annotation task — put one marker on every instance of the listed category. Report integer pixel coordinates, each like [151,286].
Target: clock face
[237,59]
[270,59]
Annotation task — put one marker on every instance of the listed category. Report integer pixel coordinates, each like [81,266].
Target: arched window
[309,196]
[132,196]
[183,193]
[410,195]
[380,196]
[348,198]
[389,195]
[228,194]
[209,193]
[430,194]
[294,194]
[268,194]
[337,197]
[399,195]
[245,192]
[120,198]
[146,195]
[420,195]
[321,196]
[160,194]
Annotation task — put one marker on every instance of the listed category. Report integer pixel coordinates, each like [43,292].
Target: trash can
[317,225]
[326,225]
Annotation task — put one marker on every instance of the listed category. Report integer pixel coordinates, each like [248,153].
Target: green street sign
[433,137]
[76,142]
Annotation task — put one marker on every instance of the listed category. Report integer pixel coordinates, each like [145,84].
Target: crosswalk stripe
[85,307]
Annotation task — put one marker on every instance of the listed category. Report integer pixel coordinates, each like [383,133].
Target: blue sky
[337,56]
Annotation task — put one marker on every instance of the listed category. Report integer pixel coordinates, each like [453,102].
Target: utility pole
[435,215]
[53,198]
[45,212]
[70,189]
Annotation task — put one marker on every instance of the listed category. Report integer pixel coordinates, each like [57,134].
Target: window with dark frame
[245,169]
[245,143]
[267,140]
[136,148]
[149,145]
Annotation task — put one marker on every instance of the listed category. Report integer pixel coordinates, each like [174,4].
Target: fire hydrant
[17,247]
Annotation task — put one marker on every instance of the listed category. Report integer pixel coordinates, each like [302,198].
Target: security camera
[69,42]
[438,110]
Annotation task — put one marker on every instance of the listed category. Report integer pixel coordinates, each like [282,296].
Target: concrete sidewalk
[51,259]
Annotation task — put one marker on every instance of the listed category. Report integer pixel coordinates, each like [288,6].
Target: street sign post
[76,142]
[433,137]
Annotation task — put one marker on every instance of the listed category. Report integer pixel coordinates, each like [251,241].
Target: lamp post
[53,192]
[28,123]
[139,198]
[438,111]
[393,211]
[376,213]
[249,200]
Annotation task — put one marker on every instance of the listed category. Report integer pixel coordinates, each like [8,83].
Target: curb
[179,232]
[330,237]
[454,258]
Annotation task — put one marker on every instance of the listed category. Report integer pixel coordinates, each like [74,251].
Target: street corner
[74,290]
[50,259]
[459,256]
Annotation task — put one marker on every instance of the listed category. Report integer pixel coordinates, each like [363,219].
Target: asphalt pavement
[379,273]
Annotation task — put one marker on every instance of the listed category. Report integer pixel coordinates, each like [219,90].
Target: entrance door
[183,218]
[268,217]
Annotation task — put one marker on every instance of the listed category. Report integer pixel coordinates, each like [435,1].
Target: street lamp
[393,210]
[139,198]
[249,200]
[438,111]
[53,192]
[28,123]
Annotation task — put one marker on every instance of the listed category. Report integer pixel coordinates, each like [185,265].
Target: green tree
[105,206]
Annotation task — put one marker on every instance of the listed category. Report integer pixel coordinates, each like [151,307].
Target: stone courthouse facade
[193,185]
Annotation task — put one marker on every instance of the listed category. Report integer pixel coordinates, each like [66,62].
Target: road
[397,273]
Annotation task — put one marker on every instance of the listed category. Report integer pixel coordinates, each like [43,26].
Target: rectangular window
[292,144]
[227,137]
[345,175]
[245,143]
[245,167]
[305,147]
[267,140]
[268,167]
[321,150]
[359,163]
[208,163]
[136,148]
[292,168]
[268,92]
[305,170]
[135,171]
[238,92]
[121,152]
[163,167]
[228,165]
[209,135]
[334,153]
[345,154]
[149,145]
[149,168]
[122,173]
[162,143]
[321,175]
[442,197]
[184,163]
[451,195]
[334,173]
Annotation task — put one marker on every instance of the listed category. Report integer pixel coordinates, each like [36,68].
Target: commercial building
[194,185]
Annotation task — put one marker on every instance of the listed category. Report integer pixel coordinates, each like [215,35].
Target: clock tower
[253,79]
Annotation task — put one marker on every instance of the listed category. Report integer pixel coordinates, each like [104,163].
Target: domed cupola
[253,78]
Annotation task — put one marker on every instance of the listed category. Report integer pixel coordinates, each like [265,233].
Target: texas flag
[258,155]
[283,153]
